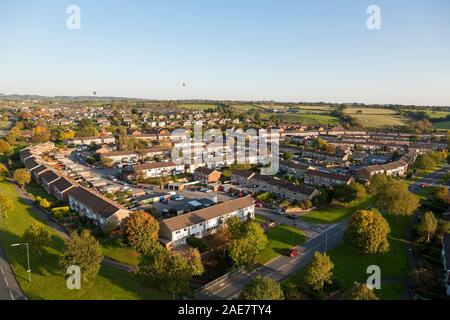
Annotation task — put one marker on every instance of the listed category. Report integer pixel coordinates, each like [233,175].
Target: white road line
[7,284]
[2,270]
[12,297]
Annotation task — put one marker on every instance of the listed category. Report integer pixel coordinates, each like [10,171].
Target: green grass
[260,219]
[304,118]
[199,107]
[350,264]
[117,250]
[280,240]
[442,125]
[376,118]
[48,280]
[332,215]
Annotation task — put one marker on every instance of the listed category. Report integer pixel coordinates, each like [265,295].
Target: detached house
[174,231]
[103,212]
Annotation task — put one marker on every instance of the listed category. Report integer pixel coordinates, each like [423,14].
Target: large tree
[260,288]
[251,241]
[394,198]
[3,171]
[37,236]
[377,182]
[22,177]
[351,192]
[141,230]
[360,291]
[6,204]
[369,231]
[169,271]
[442,195]
[319,271]
[84,251]
[427,226]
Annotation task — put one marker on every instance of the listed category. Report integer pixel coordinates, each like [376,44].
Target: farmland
[376,117]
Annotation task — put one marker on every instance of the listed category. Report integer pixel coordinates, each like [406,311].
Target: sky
[282,50]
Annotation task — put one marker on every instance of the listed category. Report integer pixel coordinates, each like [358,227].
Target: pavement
[278,269]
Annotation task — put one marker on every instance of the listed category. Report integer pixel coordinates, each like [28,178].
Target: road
[9,288]
[277,269]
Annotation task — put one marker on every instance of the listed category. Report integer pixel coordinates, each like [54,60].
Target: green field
[48,280]
[304,119]
[280,240]
[245,107]
[376,118]
[199,107]
[350,265]
[445,125]
[335,214]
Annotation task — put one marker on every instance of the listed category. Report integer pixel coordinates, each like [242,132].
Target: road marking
[2,270]
[12,297]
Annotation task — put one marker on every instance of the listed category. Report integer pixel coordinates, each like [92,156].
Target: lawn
[335,214]
[48,280]
[117,250]
[280,240]
[350,265]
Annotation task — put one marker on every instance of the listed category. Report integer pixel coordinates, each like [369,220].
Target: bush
[197,243]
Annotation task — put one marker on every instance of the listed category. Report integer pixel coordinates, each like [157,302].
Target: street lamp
[28,257]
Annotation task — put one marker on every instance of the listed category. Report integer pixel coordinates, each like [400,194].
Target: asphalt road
[9,288]
[277,269]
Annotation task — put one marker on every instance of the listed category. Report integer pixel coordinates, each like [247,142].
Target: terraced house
[174,231]
[326,179]
[106,214]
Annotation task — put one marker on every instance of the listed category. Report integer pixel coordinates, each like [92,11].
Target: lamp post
[28,257]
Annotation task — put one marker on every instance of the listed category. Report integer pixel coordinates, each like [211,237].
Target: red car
[293,253]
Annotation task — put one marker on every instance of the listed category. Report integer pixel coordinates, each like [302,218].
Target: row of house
[280,188]
[326,179]
[105,213]
[395,169]
[134,156]
[86,141]
[204,222]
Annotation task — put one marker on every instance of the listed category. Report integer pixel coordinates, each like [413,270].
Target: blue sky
[286,50]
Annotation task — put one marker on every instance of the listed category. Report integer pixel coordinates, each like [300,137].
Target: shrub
[197,243]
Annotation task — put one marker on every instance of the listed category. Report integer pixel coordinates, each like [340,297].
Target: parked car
[165,201]
[258,205]
[292,216]
[293,253]
[177,198]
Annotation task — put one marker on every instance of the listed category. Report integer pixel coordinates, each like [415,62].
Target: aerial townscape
[93,183]
[224,159]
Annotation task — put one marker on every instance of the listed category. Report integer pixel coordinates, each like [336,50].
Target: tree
[360,291]
[5,147]
[37,236]
[351,192]
[22,177]
[319,271]
[141,230]
[40,134]
[3,171]
[287,156]
[442,195]
[6,204]
[85,251]
[170,272]
[394,198]
[428,225]
[369,231]
[260,288]
[251,241]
